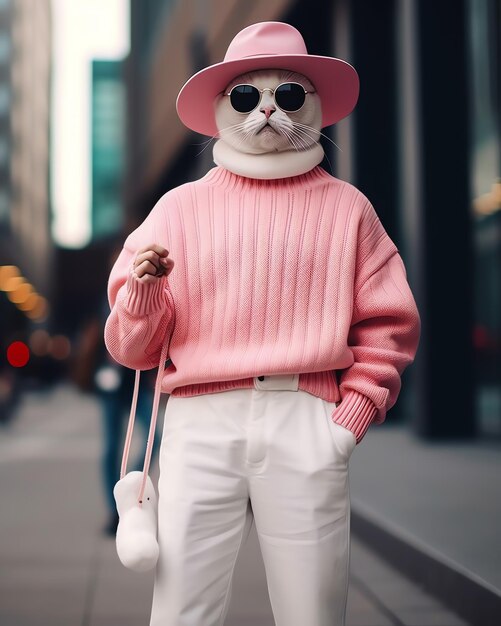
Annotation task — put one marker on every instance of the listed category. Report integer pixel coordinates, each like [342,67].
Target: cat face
[267,128]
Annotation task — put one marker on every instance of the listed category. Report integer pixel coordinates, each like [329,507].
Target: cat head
[268,128]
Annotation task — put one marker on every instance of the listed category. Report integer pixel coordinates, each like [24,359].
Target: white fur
[269,165]
[136,538]
[252,133]
[282,145]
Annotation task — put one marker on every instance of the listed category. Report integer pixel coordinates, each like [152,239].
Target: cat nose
[267,111]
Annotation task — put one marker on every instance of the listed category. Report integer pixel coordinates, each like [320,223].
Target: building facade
[25,82]
[26,250]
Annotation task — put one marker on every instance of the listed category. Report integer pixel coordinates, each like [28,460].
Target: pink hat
[268,45]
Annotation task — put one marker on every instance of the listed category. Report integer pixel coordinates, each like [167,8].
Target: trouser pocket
[343,439]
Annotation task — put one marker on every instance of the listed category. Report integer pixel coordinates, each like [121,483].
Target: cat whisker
[290,139]
[301,131]
[298,144]
[325,154]
[298,130]
[300,134]
[240,125]
[330,164]
[319,132]
[257,126]
[234,128]
[207,144]
[201,143]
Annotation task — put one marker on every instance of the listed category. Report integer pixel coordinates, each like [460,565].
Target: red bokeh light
[18,354]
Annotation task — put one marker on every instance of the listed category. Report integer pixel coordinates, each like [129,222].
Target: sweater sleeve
[384,332]
[142,314]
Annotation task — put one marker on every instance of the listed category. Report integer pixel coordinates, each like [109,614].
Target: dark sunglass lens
[244,98]
[290,96]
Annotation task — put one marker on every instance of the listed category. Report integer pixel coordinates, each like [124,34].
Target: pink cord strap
[153,422]
[130,427]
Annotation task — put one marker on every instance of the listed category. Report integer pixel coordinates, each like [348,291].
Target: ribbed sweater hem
[320,384]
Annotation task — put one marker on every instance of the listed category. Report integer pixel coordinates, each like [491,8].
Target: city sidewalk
[59,570]
[434,510]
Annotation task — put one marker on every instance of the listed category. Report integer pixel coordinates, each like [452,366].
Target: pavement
[433,509]
[443,494]
[59,569]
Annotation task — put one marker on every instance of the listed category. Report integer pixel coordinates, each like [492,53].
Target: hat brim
[335,81]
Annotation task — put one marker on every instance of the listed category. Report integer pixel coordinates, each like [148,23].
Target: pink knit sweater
[293,275]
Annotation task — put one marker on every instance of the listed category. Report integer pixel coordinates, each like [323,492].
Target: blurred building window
[5,47]
[4,151]
[4,207]
[5,99]
[108,143]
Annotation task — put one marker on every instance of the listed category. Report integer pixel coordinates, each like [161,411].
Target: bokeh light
[18,354]
[39,342]
[7,272]
[60,347]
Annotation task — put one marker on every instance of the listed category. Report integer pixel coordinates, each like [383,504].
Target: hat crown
[265,46]
[266,38]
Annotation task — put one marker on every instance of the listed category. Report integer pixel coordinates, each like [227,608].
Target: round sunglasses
[289,97]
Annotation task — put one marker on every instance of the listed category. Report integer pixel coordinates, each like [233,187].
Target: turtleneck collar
[271,165]
[225,179]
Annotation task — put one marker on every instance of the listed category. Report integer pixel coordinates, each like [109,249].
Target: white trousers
[270,455]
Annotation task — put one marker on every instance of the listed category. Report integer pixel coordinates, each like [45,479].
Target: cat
[254,133]
[268,143]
